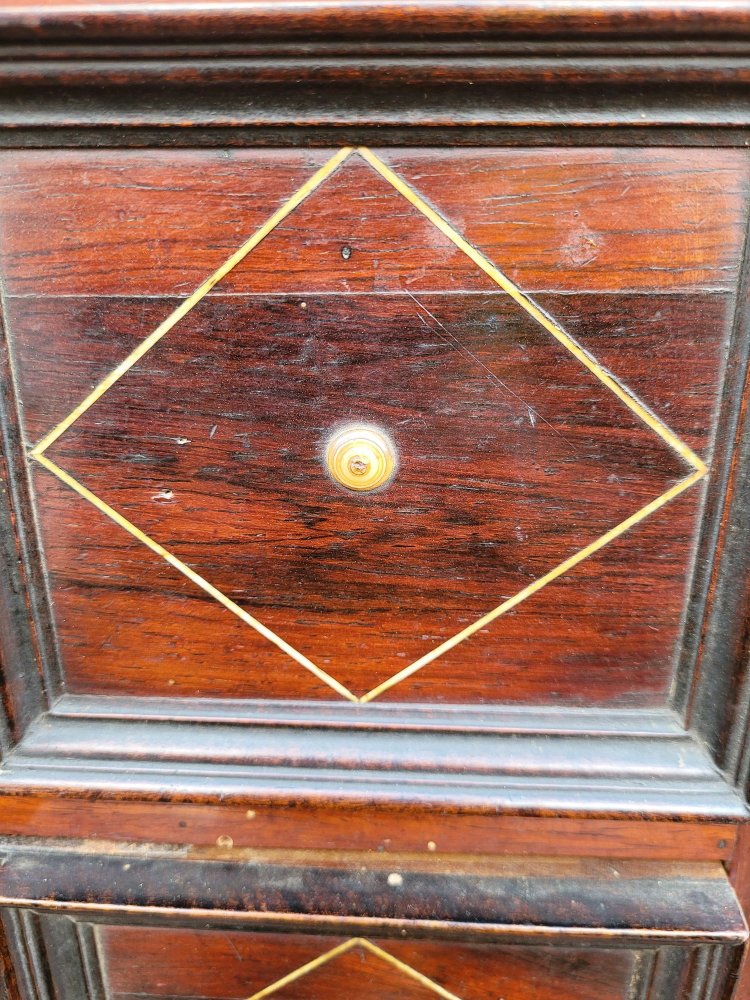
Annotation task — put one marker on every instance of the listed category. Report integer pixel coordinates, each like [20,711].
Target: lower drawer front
[176,963]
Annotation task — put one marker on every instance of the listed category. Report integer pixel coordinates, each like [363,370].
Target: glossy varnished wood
[361,585]
[265,821]
[31,20]
[429,896]
[672,90]
[420,356]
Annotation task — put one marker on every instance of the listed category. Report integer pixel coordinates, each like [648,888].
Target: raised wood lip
[100,912]
[625,902]
[100,87]
[373,18]
[466,113]
[617,775]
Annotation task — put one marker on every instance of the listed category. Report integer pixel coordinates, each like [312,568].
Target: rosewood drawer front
[540,335]
[374,500]
[179,963]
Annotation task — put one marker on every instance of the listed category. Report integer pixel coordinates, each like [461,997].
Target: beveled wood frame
[678,932]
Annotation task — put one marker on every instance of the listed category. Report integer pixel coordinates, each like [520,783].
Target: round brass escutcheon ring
[361,457]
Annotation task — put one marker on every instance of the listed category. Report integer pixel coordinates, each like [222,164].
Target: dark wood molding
[375,716]
[613,773]
[459,72]
[712,655]
[49,958]
[717,705]
[113,136]
[24,655]
[71,948]
[91,963]
[360,110]
[647,904]
[23,939]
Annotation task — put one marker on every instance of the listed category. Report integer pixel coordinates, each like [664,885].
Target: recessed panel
[533,540]
[177,964]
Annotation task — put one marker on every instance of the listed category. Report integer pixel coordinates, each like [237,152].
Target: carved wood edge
[631,903]
[425,20]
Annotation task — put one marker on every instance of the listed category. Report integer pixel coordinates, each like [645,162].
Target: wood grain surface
[512,455]
[94,19]
[194,791]
[336,828]
[181,963]
[535,901]
[494,487]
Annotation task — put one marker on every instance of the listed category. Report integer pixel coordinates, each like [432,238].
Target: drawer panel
[180,963]
[543,347]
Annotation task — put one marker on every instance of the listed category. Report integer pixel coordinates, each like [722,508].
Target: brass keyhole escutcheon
[361,457]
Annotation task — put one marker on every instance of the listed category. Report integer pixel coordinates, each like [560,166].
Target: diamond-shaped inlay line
[473,368]
[422,985]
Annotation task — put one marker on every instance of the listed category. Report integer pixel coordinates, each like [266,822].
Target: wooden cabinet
[374,513]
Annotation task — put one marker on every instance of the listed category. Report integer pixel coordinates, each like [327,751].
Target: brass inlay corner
[587,360]
[341,949]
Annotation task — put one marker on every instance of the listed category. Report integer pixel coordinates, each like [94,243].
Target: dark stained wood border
[103,136]
[370,112]
[716,600]
[23,940]
[716,703]
[448,71]
[683,917]
[28,667]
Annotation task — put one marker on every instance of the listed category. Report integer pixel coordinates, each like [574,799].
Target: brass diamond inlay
[341,949]
[699,469]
